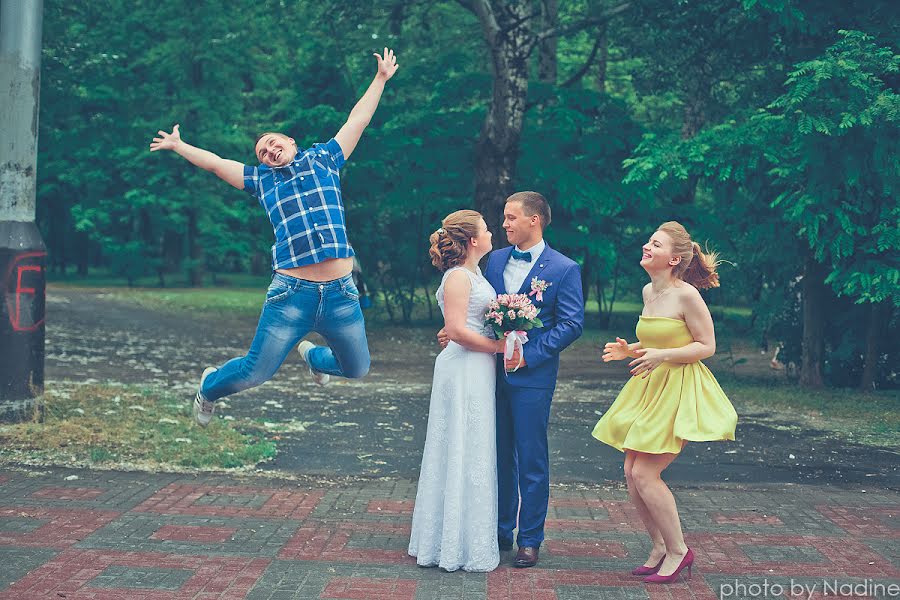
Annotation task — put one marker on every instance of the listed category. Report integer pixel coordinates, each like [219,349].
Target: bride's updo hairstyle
[450,243]
[698,268]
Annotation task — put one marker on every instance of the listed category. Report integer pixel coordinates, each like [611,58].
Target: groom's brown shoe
[526,557]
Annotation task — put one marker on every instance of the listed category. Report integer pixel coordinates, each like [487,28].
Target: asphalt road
[375,427]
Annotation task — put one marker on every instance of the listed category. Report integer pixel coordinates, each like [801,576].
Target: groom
[524,397]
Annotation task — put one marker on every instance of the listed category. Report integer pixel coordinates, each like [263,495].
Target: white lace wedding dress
[454,522]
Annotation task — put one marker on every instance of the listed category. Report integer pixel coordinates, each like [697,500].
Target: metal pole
[22,251]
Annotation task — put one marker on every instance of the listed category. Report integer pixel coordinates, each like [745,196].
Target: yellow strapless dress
[676,403]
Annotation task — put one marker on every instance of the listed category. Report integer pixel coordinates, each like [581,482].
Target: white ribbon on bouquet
[515,341]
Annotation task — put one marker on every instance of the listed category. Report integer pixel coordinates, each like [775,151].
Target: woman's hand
[617,350]
[647,360]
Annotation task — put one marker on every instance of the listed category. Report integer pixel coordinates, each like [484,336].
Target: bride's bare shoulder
[457,279]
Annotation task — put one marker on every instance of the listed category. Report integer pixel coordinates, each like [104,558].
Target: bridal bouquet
[511,316]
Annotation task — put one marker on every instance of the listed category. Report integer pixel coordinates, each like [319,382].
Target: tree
[822,155]
[512,31]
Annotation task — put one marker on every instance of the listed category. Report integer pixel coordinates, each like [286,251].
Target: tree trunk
[605,306]
[388,306]
[506,27]
[694,116]
[510,43]
[82,252]
[694,120]
[879,317]
[396,18]
[586,278]
[547,61]
[172,251]
[259,264]
[58,227]
[410,303]
[161,265]
[603,59]
[195,252]
[547,73]
[430,304]
[814,298]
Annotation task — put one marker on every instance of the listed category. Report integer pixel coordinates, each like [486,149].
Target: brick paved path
[163,536]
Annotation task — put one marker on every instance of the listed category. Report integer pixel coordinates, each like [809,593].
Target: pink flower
[507,312]
[538,287]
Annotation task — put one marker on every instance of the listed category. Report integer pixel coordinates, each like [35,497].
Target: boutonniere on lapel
[538,287]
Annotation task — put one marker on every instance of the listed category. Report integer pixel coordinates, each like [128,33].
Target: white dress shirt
[517,270]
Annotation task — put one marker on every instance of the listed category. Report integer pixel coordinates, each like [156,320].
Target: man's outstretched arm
[230,171]
[362,113]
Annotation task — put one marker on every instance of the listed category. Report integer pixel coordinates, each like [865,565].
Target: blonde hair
[450,243]
[697,268]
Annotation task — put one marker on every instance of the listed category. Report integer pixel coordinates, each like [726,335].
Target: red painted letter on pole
[25,272]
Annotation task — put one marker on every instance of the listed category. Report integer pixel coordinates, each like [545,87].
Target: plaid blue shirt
[303,201]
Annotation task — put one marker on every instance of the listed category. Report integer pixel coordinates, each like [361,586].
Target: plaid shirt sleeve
[335,153]
[251,180]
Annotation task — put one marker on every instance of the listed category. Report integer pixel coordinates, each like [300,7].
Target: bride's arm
[456,306]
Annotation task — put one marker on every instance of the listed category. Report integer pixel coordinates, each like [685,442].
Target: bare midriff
[327,270]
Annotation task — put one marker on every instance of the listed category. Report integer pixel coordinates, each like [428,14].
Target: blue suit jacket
[562,312]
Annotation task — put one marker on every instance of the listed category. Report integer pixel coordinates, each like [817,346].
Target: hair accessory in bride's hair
[441,231]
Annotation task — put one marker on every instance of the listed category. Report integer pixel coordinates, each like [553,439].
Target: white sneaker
[320,378]
[203,408]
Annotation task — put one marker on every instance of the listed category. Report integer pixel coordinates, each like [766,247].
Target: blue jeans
[293,308]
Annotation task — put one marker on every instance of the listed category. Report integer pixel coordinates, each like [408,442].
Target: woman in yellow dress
[672,398]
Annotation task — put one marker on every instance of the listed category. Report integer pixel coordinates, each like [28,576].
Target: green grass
[114,425]
[627,307]
[244,302]
[223,301]
[868,418]
[242,295]
[101,278]
[238,295]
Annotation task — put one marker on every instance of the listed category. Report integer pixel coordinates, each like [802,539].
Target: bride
[454,522]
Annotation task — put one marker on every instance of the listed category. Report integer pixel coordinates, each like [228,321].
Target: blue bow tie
[526,256]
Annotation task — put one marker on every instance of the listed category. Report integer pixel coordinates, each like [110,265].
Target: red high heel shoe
[644,570]
[686,563]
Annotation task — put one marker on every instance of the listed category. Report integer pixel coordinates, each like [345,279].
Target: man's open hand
[387,64]
[166,141]
[513,362]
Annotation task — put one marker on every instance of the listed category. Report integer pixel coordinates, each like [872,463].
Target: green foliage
[823,155]
[840,174]
[742,119]
[817,163]
[597,220]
